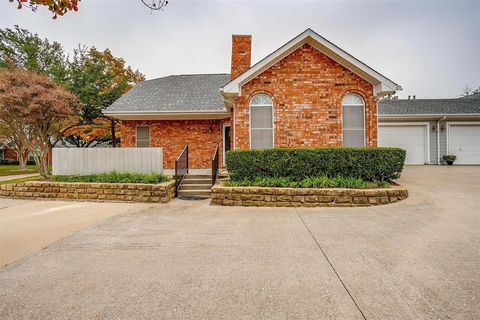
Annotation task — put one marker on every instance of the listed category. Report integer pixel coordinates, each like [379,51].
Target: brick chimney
[241,54]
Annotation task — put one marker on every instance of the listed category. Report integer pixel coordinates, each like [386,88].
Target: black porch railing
[215,166]
[181,168]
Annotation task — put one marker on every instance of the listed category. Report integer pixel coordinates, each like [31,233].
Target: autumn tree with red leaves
[36,109]
[60,7]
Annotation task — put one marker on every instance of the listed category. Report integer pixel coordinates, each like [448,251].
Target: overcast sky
[431,48]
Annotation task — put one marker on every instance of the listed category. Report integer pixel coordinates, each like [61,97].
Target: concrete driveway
[417,259]
[27,226]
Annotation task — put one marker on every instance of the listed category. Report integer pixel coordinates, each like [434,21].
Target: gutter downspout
[438,139]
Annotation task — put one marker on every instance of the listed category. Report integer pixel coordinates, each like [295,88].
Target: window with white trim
[353,121]
[261,122]
[143,136]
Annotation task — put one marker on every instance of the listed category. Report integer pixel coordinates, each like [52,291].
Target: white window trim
[250,118]
[364,118]
[456,123]
[136,134]
[427,135]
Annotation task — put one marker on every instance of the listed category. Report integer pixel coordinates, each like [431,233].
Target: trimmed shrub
[114,177]
[369,164]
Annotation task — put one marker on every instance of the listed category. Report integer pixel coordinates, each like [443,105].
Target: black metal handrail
[215,165]
[181,168]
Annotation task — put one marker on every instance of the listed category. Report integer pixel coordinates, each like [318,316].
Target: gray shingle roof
[429,106]
[196,92]
[472,96]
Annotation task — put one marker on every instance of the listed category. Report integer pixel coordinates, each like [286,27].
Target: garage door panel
[464,142]
[411,138]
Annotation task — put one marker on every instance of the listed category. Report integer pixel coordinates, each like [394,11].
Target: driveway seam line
[330,263]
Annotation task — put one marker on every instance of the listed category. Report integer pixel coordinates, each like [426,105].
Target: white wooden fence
[83,161]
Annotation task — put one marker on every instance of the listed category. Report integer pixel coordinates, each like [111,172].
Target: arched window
[261,122]
[353,110]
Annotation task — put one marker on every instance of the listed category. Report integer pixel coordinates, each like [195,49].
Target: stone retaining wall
[130,192]
[291,197]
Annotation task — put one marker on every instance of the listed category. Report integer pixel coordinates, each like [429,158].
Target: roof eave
[432,116]
[167,115]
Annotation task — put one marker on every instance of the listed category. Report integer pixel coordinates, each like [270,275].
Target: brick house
[7,151]
[307,93]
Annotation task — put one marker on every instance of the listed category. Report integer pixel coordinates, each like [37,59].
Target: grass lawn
[7,170]
[20,180]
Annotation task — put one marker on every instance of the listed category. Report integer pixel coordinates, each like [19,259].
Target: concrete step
[197,181]
[198,176]
[205,193]
[196,186]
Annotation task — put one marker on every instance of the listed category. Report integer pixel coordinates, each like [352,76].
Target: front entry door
[226,140]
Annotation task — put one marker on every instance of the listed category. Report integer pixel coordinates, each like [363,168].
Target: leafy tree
[36,109]
[90,135]
[98,79]
[19,48]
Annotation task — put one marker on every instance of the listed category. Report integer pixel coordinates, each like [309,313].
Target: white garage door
[411,138]
[464,142]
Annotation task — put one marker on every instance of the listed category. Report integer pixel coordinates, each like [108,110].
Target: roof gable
[381,84]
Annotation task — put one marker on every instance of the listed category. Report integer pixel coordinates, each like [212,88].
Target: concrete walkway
[416,259]
[18,176]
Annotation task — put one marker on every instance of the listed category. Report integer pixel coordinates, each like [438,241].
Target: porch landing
[208,171]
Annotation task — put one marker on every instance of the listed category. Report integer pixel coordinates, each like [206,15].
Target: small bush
[314,182]
[114,177]
[369,164]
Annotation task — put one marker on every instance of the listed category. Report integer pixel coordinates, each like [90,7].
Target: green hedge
[315,182]
[369,164]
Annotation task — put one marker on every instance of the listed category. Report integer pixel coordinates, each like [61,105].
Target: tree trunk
[43,165]
[112,127]
[49,154]
[22,159]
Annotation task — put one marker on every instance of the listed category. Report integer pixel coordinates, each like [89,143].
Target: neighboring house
[7,152]
[431,128]
[307,93]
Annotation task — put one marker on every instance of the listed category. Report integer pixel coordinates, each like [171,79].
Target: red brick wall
[172,135]
[10,154]
[241,54]
[307,89]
